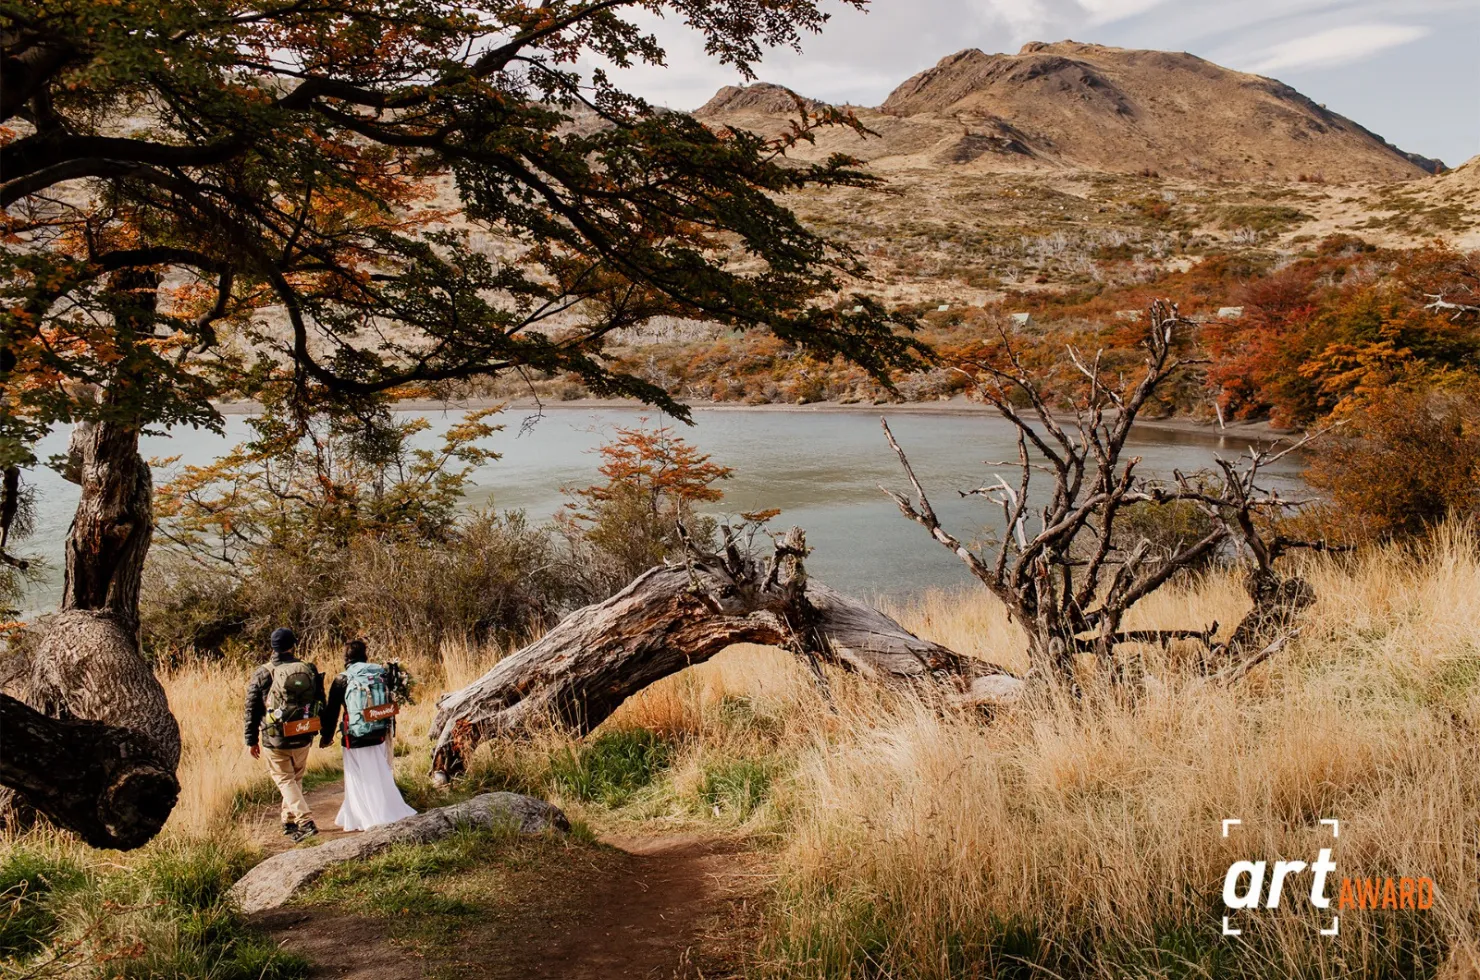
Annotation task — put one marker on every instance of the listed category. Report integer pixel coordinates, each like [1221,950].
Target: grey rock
[273,882]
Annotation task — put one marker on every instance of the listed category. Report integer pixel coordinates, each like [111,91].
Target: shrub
[335,560]
[491,576]
[344,526]
[1411,462]
[1262,218]
[186,607]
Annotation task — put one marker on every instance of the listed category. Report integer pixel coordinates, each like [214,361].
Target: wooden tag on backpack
[300,726]
[380,712]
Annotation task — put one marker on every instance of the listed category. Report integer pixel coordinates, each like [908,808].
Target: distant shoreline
[955,406]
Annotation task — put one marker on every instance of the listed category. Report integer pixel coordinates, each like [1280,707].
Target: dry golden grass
[214,764]
[1090,840]
[1086,840]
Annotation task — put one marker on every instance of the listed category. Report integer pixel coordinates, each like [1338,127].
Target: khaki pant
[286,767]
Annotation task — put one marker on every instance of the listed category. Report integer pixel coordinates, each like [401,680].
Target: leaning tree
[351,200]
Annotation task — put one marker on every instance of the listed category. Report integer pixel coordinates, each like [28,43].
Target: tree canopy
[370,196]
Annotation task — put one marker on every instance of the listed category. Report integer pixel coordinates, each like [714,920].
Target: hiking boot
[290,830]
[306,830]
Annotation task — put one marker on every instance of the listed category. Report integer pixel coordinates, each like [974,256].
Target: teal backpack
[365,687]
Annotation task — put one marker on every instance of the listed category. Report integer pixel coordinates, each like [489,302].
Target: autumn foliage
[654,482]
[1324,334]
[1411,462]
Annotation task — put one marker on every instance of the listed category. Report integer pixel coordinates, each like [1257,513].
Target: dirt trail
[664,907]
[644,907]
[266,829]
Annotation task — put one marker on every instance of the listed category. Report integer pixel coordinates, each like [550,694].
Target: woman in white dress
[360,709]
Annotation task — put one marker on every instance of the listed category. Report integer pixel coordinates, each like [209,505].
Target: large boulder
[281,876]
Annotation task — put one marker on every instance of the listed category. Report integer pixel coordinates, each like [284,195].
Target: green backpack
[293,697]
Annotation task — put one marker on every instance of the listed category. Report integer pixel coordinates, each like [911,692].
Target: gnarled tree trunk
[111,718]
[114,523]
[672,617]
[99,780]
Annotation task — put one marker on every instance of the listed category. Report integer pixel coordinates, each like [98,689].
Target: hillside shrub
[1410,462]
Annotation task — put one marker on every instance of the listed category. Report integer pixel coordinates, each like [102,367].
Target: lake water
[823,470]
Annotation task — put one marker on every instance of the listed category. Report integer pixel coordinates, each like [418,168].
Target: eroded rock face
[281,876]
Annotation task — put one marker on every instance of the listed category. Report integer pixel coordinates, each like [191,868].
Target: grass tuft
[611,768]
[31,884]
[161,913]
[736,787]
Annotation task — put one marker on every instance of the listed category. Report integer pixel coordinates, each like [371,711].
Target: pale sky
[1409,70]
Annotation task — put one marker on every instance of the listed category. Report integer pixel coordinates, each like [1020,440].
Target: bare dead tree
[1061,567]
[1438,304]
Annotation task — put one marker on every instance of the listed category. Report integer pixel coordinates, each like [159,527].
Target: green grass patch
[611,768]
[736,787]
[163,914]
[30,884]
[398,882]
[440,897]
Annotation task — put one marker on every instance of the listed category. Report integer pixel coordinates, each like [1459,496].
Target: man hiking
[363,707]
[284,699]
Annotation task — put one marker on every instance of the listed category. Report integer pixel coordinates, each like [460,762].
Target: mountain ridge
[1073,105]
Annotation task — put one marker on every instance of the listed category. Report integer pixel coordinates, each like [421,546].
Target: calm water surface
[822,468]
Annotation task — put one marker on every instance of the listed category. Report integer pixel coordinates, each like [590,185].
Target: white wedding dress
[370,794]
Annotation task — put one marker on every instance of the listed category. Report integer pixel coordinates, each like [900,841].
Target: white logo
[1244,884]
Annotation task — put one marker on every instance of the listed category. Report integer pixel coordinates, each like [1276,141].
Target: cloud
[1336,46]
[1109,11]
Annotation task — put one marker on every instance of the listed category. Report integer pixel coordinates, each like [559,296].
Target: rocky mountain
[1072,106]
[762,97]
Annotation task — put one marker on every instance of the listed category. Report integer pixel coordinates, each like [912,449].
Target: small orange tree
[1411,461]
[654,480]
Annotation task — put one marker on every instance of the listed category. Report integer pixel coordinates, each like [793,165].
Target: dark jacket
[255,707]
[335,716]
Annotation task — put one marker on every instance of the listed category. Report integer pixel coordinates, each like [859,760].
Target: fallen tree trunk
[676,616]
